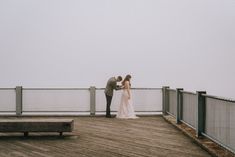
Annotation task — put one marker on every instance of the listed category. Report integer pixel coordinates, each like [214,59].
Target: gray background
[79,43]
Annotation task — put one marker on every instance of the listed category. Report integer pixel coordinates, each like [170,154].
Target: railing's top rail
[173,90]
[218,98]
[75,88]
[137,88]
[7,88]
[169,89]
[56,88]
[187,92]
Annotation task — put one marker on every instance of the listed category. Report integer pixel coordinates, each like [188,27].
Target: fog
[186,44]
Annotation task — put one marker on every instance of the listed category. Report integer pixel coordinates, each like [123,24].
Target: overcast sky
[81,43]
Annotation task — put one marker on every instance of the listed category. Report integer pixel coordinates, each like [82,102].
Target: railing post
[165,99]
[179,104]
[200,114]
[92,100]
[18,100]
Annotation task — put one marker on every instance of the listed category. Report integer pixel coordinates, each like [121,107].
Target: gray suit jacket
[111,85]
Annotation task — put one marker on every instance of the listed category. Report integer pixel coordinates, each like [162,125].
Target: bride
[126,109]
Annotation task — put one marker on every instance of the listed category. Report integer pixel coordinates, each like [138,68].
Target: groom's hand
[119,87]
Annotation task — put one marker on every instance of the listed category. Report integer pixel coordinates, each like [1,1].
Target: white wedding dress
[126,109]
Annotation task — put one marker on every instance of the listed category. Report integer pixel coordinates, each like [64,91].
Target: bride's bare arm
[127,86]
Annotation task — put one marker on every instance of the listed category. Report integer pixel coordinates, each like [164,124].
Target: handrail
[173,90]
[187,92]
[56,88]
[218,98]
[147,88]
[7,88]
[136,88]
[53,111]
[85,88]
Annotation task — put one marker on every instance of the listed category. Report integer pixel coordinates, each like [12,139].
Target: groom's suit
[111,85]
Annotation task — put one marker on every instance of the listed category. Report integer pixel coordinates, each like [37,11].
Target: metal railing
[8,101]
[210,116]
[172,103]
[189,108]
[73,101]
[220,120]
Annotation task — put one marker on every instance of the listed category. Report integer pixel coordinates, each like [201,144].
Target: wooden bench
[36,125]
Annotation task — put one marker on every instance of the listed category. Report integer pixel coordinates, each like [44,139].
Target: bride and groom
[126,109]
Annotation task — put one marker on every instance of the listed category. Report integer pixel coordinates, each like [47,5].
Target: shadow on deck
[102,137]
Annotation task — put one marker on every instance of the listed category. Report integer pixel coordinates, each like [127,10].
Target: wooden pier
[104,137]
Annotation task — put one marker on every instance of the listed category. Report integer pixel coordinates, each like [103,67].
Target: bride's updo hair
[127,78]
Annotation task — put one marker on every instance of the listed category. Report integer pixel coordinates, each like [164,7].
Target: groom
[111,85]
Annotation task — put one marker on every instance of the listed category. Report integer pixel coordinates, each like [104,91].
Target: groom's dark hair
[119,78]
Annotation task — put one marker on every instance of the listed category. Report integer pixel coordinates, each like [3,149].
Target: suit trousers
[108,100]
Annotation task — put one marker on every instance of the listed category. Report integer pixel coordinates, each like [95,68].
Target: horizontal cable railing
[144,100]
[74,101]
[55,100]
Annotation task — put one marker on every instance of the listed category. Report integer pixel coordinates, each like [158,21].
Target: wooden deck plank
[104,137]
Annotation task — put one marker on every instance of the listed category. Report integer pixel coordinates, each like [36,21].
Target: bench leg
[61,133]
[26,134]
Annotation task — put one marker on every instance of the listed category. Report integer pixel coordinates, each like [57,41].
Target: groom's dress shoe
[109,116]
